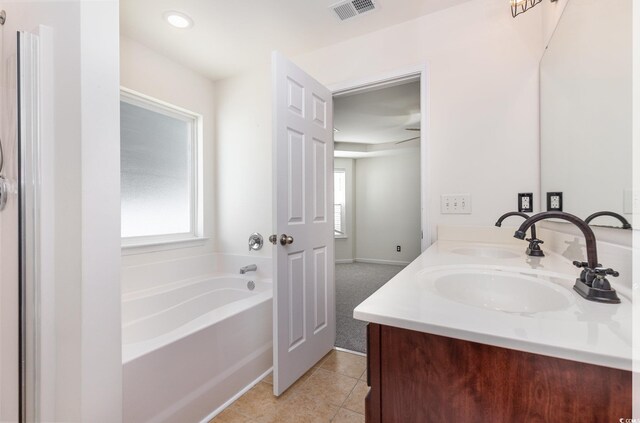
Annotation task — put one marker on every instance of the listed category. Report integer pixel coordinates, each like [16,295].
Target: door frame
[407,74]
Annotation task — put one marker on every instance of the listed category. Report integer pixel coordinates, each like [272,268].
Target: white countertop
[582,331]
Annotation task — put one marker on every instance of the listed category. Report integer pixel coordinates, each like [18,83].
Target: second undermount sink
[499,290]
[486,252]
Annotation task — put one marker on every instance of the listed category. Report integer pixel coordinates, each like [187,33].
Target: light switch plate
[455,204]
[525,202]
[554,201]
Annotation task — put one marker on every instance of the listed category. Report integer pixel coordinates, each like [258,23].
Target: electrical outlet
[554,201]
[525,202]
[398,248]
[455,204]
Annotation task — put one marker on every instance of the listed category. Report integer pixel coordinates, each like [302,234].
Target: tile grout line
[314,370]
[345,400]
[350,392]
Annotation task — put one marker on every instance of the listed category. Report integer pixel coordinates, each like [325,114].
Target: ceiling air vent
[351,8]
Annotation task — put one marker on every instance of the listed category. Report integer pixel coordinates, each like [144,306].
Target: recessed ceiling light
[178,19]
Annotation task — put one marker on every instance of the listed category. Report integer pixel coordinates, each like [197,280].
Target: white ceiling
[375,150]
[230,36]
[378,117]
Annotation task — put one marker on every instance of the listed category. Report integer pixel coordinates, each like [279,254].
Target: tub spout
[249,268]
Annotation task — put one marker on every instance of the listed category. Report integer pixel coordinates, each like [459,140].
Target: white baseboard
[345,261]
[377,261]
[235,397]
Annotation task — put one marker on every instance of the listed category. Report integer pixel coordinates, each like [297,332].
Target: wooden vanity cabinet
[423,378]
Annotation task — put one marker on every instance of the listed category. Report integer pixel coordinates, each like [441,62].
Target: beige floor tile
[347,364]
[268,379]
[326,387]
[323,359]
[292,413]
[314,398]
[230,416]
[258,402]
[355,401]
[347,416]
[297,385]
[363,376]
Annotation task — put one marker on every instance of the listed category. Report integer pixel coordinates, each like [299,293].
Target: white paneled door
[303,285]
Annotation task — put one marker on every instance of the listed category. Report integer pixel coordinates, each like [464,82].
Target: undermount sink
[486,252]
[500,290]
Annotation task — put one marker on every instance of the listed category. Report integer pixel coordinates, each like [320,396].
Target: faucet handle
[581,264]
[536,240]
[601,271]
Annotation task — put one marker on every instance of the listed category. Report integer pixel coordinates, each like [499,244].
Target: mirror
[585,110]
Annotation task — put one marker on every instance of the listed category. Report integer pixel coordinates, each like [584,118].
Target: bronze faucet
[534,249]
[592,283]
[625,223]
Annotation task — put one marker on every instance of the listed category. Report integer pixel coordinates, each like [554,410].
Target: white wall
[387,194]
[152,74]
[483,110]
[87,353]
[244,164]
[551,13]
[345,247]
[483,98]
[586,115]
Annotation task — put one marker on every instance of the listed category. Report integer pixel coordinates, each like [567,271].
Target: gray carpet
[354,283]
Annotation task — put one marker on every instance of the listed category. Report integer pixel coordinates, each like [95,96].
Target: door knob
[286,239]
[273,239]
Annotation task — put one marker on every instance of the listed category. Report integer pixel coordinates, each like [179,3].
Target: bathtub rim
[133,351]
[167,287]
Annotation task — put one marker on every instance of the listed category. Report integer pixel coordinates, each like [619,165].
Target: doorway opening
[378,197]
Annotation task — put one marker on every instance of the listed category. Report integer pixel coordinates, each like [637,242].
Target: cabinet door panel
[428,378]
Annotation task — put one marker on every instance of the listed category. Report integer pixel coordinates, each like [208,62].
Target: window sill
[340,237]
[154,246]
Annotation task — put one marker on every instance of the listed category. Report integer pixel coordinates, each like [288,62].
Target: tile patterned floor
[332,391]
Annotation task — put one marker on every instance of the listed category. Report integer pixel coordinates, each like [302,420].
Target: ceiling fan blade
[407,140]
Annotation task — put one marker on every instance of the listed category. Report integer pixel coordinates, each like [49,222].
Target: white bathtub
[189,347]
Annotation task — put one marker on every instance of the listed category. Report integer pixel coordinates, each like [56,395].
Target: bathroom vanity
[419,377]
[480,332]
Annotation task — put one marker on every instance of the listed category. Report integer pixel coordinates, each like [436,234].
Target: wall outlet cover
[554,201]
[525,202]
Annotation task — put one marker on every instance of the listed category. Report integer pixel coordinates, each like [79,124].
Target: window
[339,203]
[160,171]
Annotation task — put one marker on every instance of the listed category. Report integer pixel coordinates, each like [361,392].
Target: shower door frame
[36,223]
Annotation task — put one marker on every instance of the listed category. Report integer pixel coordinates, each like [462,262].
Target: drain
[251,285]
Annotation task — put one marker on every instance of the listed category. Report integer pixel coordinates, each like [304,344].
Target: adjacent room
[377,197]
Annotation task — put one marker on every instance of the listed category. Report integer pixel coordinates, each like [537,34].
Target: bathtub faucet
[249,268]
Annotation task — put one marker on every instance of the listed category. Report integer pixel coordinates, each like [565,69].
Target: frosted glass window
[157,147]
